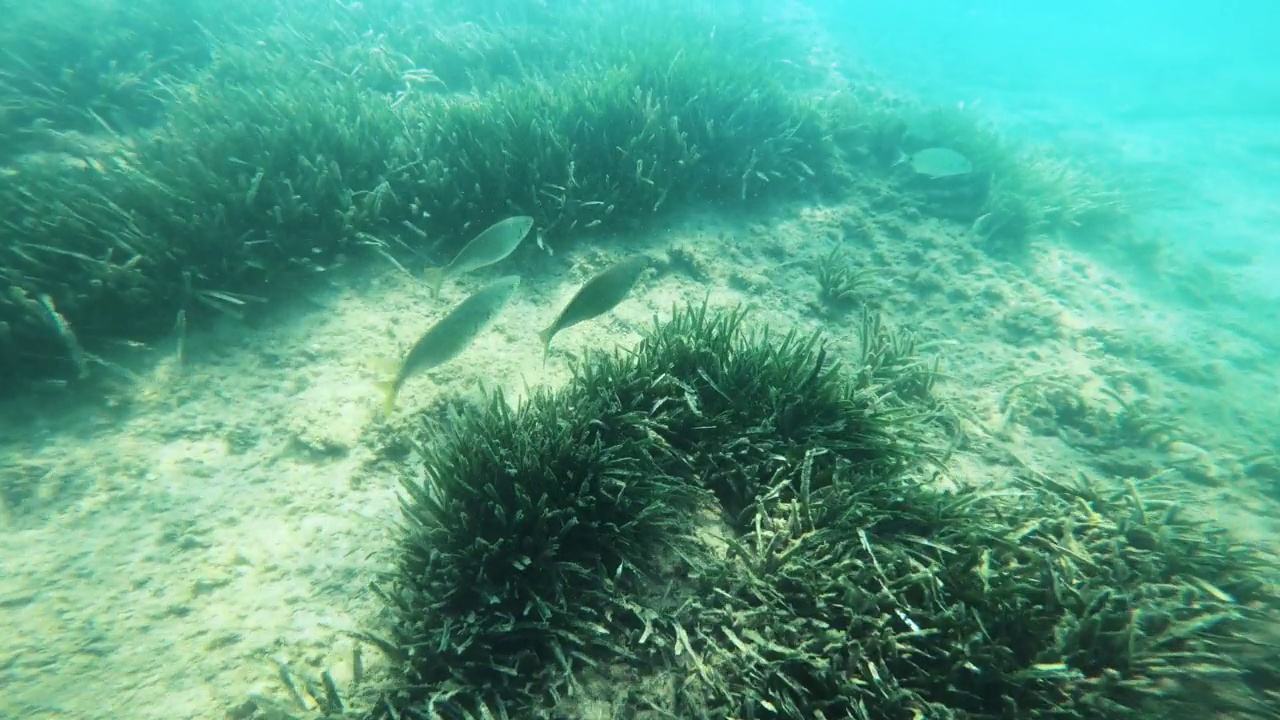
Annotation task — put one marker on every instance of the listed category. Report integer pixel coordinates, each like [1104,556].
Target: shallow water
[203,515]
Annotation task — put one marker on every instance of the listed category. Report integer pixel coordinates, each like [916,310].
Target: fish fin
[434,278]
[388,390]
[382,365]
[902,157]
[545,337]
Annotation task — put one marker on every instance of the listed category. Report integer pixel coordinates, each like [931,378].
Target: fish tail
[388,390]
[434,278]
[545,338]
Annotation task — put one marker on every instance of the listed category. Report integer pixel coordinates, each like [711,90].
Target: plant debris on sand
[724,524]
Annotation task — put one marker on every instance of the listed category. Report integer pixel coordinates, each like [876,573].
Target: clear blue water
[1182,100]
[1183,96]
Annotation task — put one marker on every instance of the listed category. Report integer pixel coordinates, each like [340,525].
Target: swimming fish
[598,296]
[451,335]
[937,162]
[69,340]
[495,243]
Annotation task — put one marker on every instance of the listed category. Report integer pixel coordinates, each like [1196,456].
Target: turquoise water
[216,221]
[1185,96]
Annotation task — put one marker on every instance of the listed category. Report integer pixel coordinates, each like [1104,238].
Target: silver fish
[451,335]
[937,162]
[495,243]
[598,296]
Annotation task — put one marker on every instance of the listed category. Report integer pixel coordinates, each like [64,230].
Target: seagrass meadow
[720,523]
[695,518]
[865,441]
[206,160]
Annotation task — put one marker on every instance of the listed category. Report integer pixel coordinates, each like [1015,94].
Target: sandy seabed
[210,518]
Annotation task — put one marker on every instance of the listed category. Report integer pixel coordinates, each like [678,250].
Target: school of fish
[453,333]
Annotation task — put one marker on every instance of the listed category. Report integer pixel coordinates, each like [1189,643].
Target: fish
[450,335]
[63,329]
[936,162]
[598,296]
[496,242]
